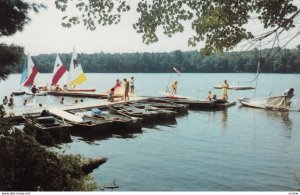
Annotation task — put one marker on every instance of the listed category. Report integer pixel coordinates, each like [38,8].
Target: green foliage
[27,166]
[274,60]
[10,56]
[102,12]
[13,17]
[221,24]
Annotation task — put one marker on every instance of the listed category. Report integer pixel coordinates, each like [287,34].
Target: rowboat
[221,104]
[147,116]
[163,114]
[91,125]
[281,103]
[168,105]
[120,123]
[195,103]
[47,129]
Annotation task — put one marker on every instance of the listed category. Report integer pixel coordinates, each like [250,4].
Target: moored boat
[163,114]
[91,125]
[47,129]
[121,123]
[281,103]
[147,116]
[168,105]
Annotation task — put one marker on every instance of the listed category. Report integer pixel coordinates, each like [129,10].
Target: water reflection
[286,121]
[90,139]
[284,116]
[224,118]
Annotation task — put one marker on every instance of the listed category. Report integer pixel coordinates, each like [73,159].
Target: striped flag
[177,71]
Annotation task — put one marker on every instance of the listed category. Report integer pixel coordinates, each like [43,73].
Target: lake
[238,149]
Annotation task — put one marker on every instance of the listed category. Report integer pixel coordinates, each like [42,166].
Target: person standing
[5,100]
[225,87]
[111,95]
[132,85]
[126,85]
[174,88]
[62,100]
[34,90]
[11,101]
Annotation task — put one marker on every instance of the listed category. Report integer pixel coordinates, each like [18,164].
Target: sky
[44,34]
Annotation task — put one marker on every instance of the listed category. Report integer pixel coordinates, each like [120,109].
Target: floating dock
[235,87]
[195,104]
[141,111]
[80,94]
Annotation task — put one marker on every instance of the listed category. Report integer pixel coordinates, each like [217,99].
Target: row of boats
[55,125]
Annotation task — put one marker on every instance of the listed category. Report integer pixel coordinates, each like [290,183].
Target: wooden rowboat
[163,114]
[47,129]
[121,123]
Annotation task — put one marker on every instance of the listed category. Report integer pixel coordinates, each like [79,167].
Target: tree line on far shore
[276,60]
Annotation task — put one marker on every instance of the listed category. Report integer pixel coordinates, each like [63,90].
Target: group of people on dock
[128,87]
[209,97]
[224,96]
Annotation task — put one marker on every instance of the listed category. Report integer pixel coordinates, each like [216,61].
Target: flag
[76,74]
[177,71]
[60,73]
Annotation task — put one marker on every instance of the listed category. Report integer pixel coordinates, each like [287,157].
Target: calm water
[239,149]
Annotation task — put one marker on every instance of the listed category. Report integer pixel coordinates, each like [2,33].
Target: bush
[27,166]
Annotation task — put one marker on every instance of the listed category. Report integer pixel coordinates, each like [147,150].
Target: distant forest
[274,60]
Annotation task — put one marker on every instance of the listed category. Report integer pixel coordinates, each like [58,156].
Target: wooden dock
[17,114]
[196,104]
[80,94]
[144,110]
[233,87]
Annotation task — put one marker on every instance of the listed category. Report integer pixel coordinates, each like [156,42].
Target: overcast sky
[44,34]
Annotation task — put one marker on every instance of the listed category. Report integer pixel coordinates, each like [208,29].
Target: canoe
[65,115]
[47,129]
